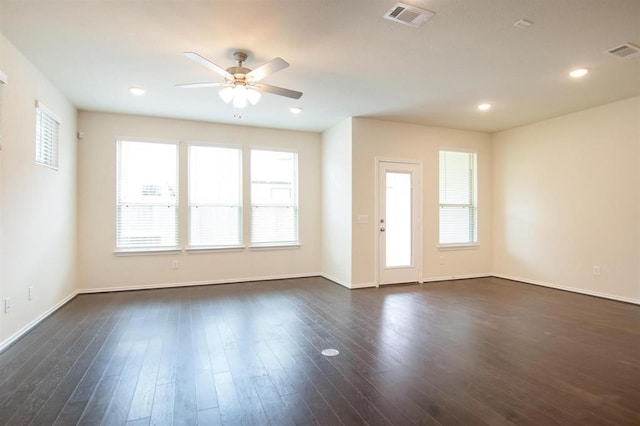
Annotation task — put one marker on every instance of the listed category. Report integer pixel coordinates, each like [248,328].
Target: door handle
[381,229]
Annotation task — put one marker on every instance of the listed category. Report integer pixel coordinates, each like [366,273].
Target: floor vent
[408,15]
[625,51]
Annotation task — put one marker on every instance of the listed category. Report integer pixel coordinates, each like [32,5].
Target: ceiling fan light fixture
[253,96]
[226,94]
[240,96]
[138,91]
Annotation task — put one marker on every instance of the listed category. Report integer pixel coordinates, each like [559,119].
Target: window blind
[215,196]
[147,196]
[46,137]
[274,198]
[458,211]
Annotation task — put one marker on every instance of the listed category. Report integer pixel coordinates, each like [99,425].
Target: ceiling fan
[241,84]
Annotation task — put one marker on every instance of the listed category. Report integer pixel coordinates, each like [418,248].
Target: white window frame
[150,248]
[3,81]
[295,205]
[47,137]
[472,206]
[190,204]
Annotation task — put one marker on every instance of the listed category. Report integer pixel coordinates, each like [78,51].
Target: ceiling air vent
[408,15]
[625,51]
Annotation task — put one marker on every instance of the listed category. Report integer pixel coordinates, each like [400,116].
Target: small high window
[47,126]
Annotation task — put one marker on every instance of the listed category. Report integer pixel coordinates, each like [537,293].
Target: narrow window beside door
[458,198]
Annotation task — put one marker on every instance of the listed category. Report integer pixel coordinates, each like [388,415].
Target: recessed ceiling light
[580,72]
[484,107]
[136,91]
[295,110]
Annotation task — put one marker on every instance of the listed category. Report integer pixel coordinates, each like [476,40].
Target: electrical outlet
[596,271]
[175,264]
[442,260]
[7,305]
[30,293]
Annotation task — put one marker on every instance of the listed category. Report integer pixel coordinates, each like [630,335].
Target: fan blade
[293,94]
[197,85]
[207,63]
[264,70]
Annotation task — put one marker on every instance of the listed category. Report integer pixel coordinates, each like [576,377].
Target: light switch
[363,218]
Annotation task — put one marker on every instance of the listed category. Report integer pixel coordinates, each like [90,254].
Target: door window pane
[398,217]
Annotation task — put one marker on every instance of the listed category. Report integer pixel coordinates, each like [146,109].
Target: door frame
[419,222]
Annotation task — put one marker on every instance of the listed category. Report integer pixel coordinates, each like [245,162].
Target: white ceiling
[344,56]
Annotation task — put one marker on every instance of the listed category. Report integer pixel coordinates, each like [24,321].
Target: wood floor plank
[185,402]
[209,417]
[163,404]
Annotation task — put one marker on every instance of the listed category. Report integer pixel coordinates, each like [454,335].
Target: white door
[399,222]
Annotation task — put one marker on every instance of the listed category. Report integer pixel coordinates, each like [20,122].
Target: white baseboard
[195,283]
[346,284]
[571,289]
[456,277]
[422,280]
[363,285]
[337,281]
[24,330]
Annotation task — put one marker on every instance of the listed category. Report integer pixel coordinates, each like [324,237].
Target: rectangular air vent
[408,15]
[625,51]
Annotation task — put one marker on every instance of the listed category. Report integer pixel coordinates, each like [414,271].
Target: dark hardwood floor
[481,351]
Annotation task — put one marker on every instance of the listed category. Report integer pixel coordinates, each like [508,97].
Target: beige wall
[567,198]
[390,140]
[101,269]
[37,204]
[336,203]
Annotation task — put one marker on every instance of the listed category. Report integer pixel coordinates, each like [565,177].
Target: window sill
[214,249]
[462,246]
[275,246]
[147,251]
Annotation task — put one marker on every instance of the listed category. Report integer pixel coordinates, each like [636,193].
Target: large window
[147,196]
[274,198]
[46,137]
[215,194]
[458,198]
